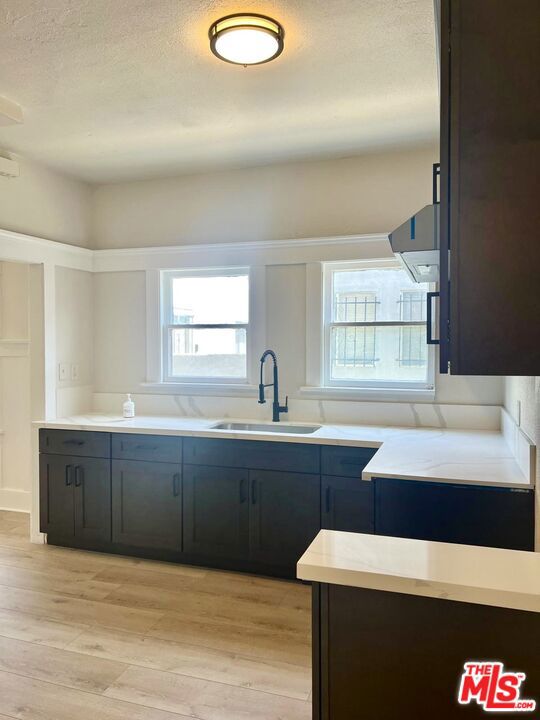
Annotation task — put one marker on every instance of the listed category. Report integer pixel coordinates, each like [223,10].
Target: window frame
[166,325]
[328,269]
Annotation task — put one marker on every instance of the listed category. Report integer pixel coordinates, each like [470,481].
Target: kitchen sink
[267,427]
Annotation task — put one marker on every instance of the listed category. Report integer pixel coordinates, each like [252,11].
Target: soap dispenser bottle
[129,407]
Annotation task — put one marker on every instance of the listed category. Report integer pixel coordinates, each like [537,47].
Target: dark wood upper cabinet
[490,187]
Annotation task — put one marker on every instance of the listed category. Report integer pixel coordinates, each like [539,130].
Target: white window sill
[211,389]
[369,394]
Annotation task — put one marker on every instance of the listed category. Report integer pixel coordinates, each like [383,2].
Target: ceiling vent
[10,112]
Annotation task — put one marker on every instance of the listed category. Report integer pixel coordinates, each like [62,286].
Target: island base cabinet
[147,504]
[284,516]
[75,499]
[384,655]
[216,512]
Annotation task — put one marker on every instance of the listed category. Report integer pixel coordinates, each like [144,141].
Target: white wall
[45,204]
[75,339]
[15,383]
[522,400]
[368,194]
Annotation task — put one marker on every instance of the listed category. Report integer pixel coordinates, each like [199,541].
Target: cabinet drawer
[254,454]
[345,461]
[83,443]
[156,448]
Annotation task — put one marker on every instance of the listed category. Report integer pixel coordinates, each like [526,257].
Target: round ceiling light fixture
[246,39]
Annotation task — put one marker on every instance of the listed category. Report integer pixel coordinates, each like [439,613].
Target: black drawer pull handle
[78,443]
[69,480]
[429,322]
[79,476]
[352,462]
[152,448]
[176,484]
[253,492]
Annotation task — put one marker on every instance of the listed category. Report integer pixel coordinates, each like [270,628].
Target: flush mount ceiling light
[246,39]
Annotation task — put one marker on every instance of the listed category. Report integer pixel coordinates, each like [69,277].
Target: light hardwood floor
[85,636]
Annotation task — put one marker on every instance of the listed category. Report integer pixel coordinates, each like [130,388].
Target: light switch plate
[63,371]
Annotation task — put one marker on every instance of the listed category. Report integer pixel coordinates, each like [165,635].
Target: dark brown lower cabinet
[75,499]
[347,504]
[389,656]
[284,516]
[465,514]
[147,504]
[216,512]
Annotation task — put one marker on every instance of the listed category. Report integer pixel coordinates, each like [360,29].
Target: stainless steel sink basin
[267,427]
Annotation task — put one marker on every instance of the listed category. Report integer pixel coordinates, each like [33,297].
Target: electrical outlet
[75,374]
[63,371]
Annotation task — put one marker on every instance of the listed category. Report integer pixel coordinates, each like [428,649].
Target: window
[205,325]
[412,339]
[374,327]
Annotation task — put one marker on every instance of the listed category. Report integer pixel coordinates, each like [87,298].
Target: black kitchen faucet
[276,407]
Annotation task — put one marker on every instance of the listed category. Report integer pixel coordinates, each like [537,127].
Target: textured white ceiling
[115,89]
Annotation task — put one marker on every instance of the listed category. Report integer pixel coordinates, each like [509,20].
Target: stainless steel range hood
[416,241]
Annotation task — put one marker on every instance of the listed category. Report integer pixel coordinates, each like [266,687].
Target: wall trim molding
[265,252]
[16,247]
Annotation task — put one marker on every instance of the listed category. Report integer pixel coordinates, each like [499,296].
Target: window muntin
[205,320]
[374,328]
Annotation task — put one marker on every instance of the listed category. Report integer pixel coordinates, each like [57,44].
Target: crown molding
[16,247]
[26,248]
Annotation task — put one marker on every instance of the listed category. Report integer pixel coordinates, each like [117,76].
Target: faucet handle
[285,408]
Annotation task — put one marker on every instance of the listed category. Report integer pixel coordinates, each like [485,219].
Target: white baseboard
[15,500]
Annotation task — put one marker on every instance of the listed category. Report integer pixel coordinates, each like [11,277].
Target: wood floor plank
[203,699]
[81,672]
[55,580]
[205,663]
[35,629]
[234,638]
[185,576]
[74,610]
[243,587]
[195,605]
[27,699]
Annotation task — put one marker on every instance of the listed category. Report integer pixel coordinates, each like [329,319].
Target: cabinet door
[147,504]
[56,480]
[347,504]
[284,517]
[470,515]
[92,495]
[489,202]
[215,511]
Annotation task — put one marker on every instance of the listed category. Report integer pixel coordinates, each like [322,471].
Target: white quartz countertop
[477,457]
[464,573]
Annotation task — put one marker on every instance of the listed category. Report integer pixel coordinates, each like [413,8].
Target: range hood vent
[416,241]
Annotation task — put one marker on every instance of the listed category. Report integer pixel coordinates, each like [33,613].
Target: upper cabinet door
[490,186]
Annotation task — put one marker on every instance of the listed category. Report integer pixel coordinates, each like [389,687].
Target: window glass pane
[365,295]
[211,353]
[391,354]
[210,300]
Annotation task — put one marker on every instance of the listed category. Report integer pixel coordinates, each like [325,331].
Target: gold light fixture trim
[246,39]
